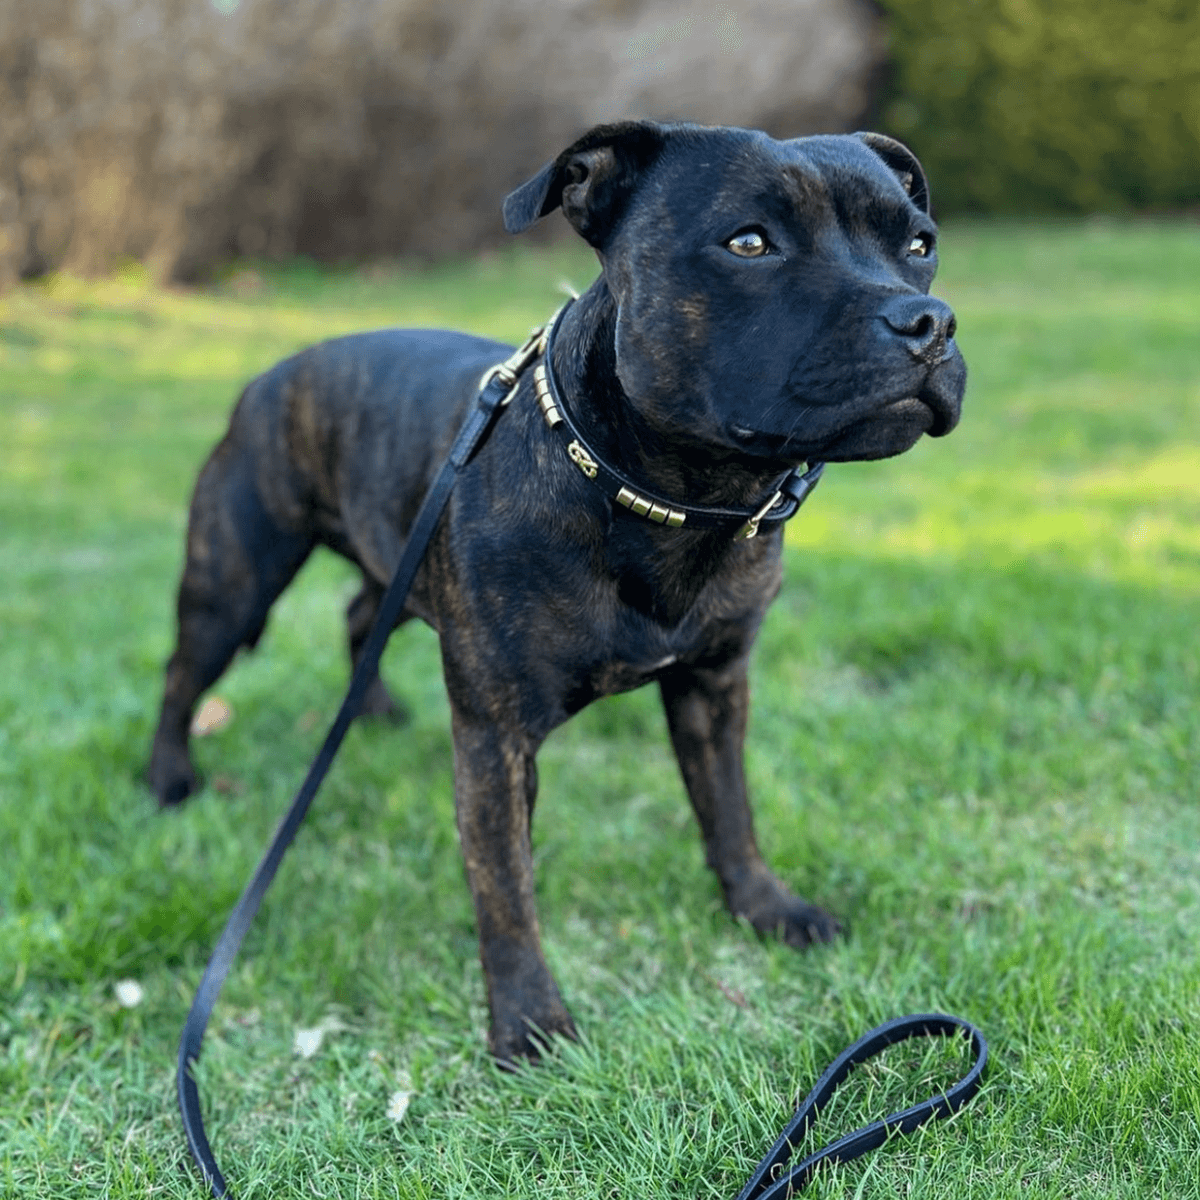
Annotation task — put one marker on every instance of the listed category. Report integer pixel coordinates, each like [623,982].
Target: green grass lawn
[976,736]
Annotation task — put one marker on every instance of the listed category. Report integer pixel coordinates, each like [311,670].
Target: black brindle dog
[761,304]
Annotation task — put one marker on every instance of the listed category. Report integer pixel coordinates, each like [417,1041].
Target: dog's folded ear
[903,163]
[591,180]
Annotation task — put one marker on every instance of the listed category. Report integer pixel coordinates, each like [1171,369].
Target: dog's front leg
[706,714]
[495,784]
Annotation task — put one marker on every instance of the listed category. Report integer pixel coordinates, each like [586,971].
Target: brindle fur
[702,374]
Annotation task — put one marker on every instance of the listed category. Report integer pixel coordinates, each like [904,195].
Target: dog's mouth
[938,417]
[896,425]
[870,422]
[893,428]
[887,429]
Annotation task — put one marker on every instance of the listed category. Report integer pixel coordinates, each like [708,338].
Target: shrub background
[1049,105]
[182,135]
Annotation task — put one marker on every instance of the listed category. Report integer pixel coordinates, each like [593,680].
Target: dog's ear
[591,180]
[903,163]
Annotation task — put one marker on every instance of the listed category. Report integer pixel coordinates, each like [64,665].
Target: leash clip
[509,372]
[750,529]
[795,487]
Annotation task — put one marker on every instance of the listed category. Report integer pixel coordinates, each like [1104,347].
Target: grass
[976,735]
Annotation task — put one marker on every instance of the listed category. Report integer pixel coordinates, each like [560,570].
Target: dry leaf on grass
[214,714]
[307,1042]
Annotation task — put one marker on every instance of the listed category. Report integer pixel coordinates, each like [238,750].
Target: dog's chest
[616,675]
[607,674]
[625,649]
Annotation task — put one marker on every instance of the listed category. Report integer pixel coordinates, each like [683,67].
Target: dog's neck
[660,571]
[585,363]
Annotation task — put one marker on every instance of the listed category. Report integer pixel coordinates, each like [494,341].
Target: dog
[761,304]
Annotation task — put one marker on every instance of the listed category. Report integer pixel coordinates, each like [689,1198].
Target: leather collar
[782,503]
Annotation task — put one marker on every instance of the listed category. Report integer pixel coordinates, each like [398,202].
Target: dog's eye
[921,246]
[750,243]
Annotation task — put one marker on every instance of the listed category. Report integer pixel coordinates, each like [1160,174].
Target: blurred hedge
[1049,105]
[184,133]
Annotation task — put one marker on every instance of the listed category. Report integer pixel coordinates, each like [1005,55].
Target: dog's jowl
[761,304]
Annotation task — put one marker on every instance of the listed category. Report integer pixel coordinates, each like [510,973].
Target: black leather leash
[497,389]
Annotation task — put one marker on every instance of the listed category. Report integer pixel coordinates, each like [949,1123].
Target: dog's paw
[772,909]
[526,1039]
[807,925]
[172,784]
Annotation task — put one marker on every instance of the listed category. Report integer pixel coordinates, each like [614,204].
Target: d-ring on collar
[789,492]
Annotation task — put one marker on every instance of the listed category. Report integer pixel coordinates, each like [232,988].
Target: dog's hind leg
[360,616]
[706,715]
[239,559]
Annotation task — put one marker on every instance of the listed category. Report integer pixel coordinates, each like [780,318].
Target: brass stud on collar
[658,513]
[541,387]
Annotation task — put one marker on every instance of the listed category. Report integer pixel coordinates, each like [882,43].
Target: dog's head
[772,297]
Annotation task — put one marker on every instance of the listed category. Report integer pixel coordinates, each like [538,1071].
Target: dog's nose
[924,323]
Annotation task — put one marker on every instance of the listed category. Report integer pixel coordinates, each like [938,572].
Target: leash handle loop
[770,1182]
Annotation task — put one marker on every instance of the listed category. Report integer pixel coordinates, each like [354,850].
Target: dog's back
[349,432]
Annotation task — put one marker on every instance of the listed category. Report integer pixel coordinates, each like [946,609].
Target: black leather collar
[784,500]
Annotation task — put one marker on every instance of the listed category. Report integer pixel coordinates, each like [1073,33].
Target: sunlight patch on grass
[1108,524]
[1168,477]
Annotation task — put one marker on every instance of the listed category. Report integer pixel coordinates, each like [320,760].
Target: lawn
[976,736]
